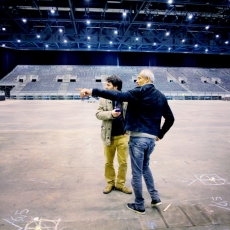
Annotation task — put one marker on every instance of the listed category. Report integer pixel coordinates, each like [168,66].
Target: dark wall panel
[133,59]
[8,61]
[66,58]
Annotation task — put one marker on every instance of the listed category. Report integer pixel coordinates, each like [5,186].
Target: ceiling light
[111,42]
[38,36]
[217,35]
[18,40]
[137,39]
[149,24]
[183,40]
[88,22]
[3,28]
[170,1]
[124,13]
[154,43]
[226,42]
[129,47]
[196,45]
[88,37]
[60,30]
[89,46]
[3,45]
[206,50]
[24,20]
[115,32]
[65,41]
[167,33]
[169,48]
[207,27]
[52,11]
[47,45]
[190,16]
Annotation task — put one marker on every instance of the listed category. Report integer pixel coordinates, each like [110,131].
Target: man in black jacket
[146,107]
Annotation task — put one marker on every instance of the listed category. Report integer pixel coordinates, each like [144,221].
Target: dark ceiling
[67,29]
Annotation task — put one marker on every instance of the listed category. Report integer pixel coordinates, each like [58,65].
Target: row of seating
[168,79]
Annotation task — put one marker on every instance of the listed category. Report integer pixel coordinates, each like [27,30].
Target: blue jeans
[140,149]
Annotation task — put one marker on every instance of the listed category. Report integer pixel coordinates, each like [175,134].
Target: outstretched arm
[110,94]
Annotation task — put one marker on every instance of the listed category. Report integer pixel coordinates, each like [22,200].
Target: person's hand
[84,92]
[157,139]
[115,114]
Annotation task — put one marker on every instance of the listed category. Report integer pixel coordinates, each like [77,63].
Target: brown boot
[124,190]
[108,189]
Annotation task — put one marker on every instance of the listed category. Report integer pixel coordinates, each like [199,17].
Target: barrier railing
[76,96]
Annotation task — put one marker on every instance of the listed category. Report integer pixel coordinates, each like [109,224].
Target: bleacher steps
[63,87]
[182,85]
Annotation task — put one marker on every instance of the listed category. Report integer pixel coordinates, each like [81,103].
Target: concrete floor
[52,170]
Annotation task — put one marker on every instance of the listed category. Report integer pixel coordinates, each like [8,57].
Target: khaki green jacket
[104,113]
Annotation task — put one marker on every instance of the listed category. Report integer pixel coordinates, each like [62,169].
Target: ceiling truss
[149,26]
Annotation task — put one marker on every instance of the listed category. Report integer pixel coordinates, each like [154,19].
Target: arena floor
[52,170]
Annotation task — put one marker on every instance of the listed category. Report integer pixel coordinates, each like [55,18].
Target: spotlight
[137,39]
[190,16]
[183,40]
[207,27]
[226,42]
[18,40]
[167,33]
[88,37]
[124,13]
[65,41]
[3,28]
[115,32]
[52,11]
[196,45]
[24,20]
[148,24]
[217,35]
[88,22]
[60,30]
[111,42]
[38,36]
[89,46]
[3,45]
[206,50]
[47,46]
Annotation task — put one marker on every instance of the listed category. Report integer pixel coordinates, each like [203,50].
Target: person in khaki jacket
[114,137]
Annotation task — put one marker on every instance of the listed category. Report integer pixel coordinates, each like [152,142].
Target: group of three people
[131,122]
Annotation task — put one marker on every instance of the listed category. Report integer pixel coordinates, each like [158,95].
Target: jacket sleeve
[116,95]
[169,120]
[101,114]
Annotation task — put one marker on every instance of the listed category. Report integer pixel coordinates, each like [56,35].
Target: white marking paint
[19,228]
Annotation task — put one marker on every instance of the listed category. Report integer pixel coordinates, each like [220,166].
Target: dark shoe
[155,203]
[124,190]
[108,189]
[133,208]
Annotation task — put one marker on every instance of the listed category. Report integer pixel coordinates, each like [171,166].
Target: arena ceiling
[191,26]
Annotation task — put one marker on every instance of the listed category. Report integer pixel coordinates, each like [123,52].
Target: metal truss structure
[190,26]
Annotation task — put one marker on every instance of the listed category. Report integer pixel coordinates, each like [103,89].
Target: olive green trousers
[119,145]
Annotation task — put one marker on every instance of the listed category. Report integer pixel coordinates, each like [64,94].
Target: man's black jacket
[146,106]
